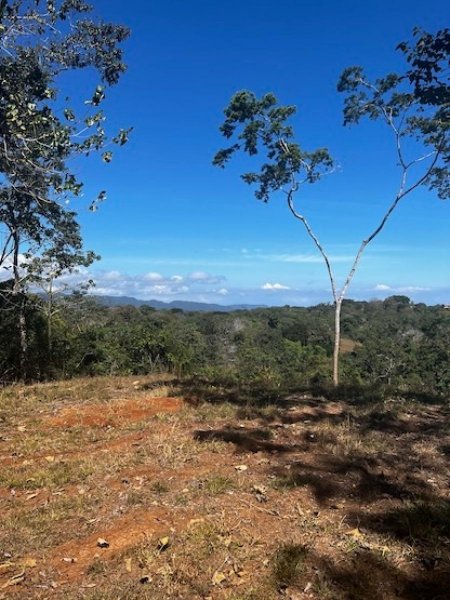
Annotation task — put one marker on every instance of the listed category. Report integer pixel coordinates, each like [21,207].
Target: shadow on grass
[254,440]
[389,488]
[419,522]
[363,574]
[368,576]
[333,478]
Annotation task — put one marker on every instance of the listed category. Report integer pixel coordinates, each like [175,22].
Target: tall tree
[414,106]
[41,130]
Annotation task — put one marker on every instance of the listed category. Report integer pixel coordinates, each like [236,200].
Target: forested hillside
[392,342]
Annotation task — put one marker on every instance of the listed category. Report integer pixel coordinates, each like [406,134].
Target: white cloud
[153,276]
[223,292]
[381,287]
[205,278]
[112,276]
[414,288]
[199,276]
[309,258]
[274,287]
[150,285]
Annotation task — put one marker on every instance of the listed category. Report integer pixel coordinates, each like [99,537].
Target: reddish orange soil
[127,531]
[309,472]
[114,414]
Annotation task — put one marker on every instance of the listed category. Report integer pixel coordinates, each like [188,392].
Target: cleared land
[117,488]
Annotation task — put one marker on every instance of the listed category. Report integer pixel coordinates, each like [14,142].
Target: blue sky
[174,227]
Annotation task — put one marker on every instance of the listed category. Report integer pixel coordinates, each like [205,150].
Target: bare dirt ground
[118,488]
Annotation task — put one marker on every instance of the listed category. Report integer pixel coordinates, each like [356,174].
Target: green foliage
[261,125]
[41,131]
[416,104]
[399,347]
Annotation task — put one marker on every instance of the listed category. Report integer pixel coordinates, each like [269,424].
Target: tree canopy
[42,131]
[414,106]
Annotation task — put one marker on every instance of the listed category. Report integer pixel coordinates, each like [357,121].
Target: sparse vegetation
[304,493]
[167,454]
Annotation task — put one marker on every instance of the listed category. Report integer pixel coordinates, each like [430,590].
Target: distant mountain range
[179,304]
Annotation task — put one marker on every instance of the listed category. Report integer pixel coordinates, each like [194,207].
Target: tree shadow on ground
[241,395]
[332,479]
[386,469]
[367,575]
[254,440]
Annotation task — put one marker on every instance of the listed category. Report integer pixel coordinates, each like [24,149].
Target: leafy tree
[41,130]
[414,106]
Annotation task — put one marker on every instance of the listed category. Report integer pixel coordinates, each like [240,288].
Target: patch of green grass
[53,476]
[159,487]
[420,521]
[217,484]
[288,564]
[97,567]
[290,481]
[46,525]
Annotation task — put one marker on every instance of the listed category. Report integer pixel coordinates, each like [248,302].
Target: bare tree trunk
[337,339]
[19,302]
[49,321]
[403,191]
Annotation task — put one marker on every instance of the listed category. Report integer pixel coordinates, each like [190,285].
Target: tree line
[389,344]
[42,131]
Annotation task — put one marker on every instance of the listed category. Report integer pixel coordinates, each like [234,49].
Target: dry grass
[301,498]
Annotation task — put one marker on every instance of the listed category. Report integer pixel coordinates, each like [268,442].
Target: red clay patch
[115,414]
[126,532]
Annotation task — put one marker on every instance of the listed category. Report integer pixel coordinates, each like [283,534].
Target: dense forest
[393,343]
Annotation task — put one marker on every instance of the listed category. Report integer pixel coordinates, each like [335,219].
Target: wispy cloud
[382,287]
[275,287]
[308,258]
[149,285]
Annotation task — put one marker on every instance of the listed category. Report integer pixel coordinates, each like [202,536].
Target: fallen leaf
[163,543]
[128,562]
[218,578]
[241,467]
[22,428]
[355,533]
[28,563]
[31,496]
[50,459]
[241,573]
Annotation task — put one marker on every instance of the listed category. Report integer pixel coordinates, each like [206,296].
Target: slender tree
[41,130]
[414,106]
